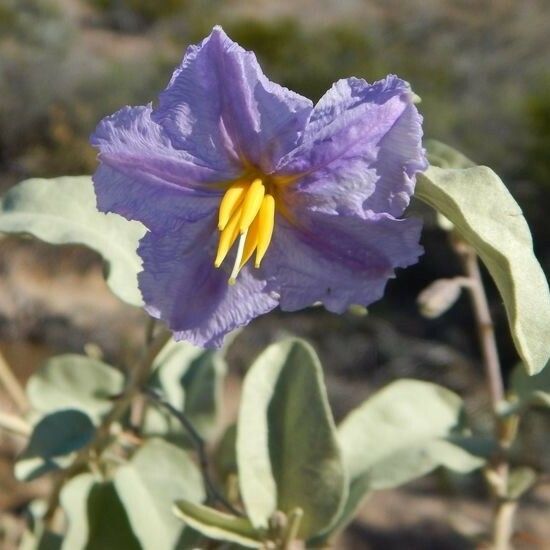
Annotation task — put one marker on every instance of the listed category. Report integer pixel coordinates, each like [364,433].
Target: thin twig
[14,424]
[485,327]
[198,442]
[294,521]
[12,386]
[498,473]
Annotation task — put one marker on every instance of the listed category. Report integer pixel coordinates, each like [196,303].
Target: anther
[231,201]
[266,222]
[227,237]
[251,204]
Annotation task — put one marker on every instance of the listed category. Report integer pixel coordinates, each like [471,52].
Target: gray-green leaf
[52,442]
[191,379]
[62,211]
[158,474]
[443,156]
[75,382]
[486,215]
[403,432]
[287,452]
[74,501]
[217,525]
[108,524]
[531,390]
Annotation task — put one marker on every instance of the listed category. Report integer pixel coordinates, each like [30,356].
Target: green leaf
[75,382]
[287,452]
[42,540]
[226,454]
[218,525]
[38,535]
[52,442]
[62,211]
[406,464]
[443,156]
[191,379]
[485,214]
[403,432]
[74,501]
[531,390]
[169,367]
[520,481]
[158,474]
[203,384]
[108,522]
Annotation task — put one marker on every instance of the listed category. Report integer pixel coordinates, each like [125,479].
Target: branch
[485,327]
[14,424]
[505,429]
[12,386]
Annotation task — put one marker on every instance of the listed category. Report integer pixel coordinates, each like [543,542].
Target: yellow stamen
[238,258]
[266,222]
[251,241]
[228,237]
[251,204]
[231,201]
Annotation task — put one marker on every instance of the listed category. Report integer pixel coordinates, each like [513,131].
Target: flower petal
[181,286]
[219,98]
[339,260]
[360,149]
[140,167]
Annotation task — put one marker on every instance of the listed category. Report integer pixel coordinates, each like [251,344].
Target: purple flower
[254,197]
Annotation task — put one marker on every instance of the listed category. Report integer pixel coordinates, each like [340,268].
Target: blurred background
[482,69]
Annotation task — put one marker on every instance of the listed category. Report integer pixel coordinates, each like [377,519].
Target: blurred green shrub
[54,92]
[307,61]
[538,149]
[130,15]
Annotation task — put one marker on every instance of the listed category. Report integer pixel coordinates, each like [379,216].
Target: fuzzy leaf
[157,475]
[486,215]
[52,442]
[108,524]
[75,382]
[439,297]
[218,525]
[62,211]
[287,452]
[191,379]
[402,432]
[74,501]
[443,156]
[531,390]
[520,481]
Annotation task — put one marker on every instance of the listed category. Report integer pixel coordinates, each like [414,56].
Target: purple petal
[141,168]
[181,286]
[339,260]
[360,149]
[219,99]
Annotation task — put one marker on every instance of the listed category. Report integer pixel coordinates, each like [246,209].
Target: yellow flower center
[247,212]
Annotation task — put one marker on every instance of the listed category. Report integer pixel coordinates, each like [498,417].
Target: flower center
[247,212]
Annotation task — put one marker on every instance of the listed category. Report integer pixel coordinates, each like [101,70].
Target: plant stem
[136,380]
[503,519]
[485,328]
[504,525]
[12,386]
[14,424]
[200,447]
[294,520]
